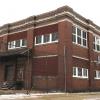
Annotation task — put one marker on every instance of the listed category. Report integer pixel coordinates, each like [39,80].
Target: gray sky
[13,10]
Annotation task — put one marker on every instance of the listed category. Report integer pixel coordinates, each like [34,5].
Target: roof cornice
[44,19]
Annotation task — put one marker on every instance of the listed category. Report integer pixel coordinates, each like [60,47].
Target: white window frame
[76,35]
[57,36]
[42,40]
[11,45]
[14,44]
[84,69]
[47,41]
[95,42]
[97,72]
[21,43]
[83,76]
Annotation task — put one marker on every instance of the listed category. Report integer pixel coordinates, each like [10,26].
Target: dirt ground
[22,95]
[68,96]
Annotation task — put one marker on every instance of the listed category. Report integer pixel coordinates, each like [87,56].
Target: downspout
[65,73]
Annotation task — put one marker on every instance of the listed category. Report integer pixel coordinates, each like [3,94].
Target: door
[9,73]
[20,73]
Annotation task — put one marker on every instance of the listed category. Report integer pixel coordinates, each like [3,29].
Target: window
[79,36]
[85,72]
[11,44]
[46,38]
[96,43]
[38,39]
[74,71]
[80,72]
[97,74]
[74,35]
[17,44]
[54,36]
[24,42]
[84,38]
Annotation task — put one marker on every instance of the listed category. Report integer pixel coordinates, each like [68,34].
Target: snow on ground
[93,99]
[16,96]
[19,96]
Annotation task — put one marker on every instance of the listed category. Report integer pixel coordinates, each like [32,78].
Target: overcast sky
[13,10]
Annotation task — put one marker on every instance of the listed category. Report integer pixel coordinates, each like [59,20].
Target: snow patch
[16,96]
[19,96]
[93,99]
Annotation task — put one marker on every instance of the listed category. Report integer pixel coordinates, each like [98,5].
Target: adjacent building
[57,50]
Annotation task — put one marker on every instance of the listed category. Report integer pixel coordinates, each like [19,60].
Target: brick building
[57,50]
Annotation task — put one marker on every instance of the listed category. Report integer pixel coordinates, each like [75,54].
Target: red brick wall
[91,59]
[46,29]
[17,36]
[45,66]
[47,49]
[97,84]
[47,70]
[80,51]
[80,63]
[45,83]
[30,36]
[80,83]
[65,39]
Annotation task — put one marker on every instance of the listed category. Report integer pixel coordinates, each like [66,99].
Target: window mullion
[50,35]
[82,72]
[77,71]
[82,38]
[20,42]
[42,37]
[14,45]
[87,72]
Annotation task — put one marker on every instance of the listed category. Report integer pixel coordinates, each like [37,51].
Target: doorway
[9,73]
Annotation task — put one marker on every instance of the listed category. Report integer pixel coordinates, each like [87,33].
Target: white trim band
[45,56]
[80,57]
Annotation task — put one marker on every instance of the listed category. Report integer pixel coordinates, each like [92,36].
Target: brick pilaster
[65,61]
[29,60]
[91,59]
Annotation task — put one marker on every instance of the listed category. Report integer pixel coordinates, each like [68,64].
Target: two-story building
[57,50]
